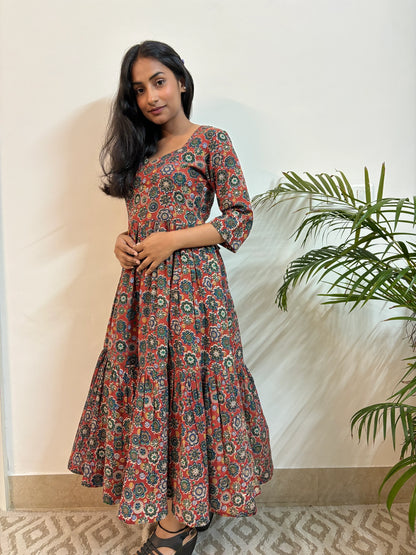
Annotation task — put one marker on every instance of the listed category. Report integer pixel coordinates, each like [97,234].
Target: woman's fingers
[128,262]
[125,244]
[148,262]
[127,239]
[125,252]
[147,255]
[144,263]
[128,250]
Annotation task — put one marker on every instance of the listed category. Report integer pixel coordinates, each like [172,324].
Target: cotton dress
[172,411]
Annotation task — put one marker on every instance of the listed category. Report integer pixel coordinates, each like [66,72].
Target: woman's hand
[125,251]
[157,247]
[153,250]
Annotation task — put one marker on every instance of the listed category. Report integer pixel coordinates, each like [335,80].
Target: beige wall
[299,85]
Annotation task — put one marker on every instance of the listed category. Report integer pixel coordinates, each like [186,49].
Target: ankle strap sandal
[177,542]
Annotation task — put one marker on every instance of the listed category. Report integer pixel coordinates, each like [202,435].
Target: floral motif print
[172,410]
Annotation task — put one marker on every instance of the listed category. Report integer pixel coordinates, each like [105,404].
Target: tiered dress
[172,410]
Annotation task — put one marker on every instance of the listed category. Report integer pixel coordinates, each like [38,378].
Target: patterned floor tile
[353,530]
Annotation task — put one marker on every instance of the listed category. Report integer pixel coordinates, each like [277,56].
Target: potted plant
[375,259]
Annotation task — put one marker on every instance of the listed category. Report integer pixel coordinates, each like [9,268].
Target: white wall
[299,85]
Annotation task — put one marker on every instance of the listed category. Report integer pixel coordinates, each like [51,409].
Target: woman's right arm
[124,251]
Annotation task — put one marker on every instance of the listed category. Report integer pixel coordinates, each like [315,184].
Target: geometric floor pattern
[345,530]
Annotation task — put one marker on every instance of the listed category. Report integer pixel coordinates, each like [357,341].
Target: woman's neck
[176,128]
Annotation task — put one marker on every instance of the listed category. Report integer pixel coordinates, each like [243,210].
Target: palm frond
[359,272]
[302,268]
[330,221]
[388,414]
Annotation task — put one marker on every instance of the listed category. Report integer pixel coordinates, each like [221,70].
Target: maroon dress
[172,411]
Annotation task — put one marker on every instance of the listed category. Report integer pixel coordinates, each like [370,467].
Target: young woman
[172,427]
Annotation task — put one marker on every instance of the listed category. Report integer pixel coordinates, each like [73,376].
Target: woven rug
[346,530]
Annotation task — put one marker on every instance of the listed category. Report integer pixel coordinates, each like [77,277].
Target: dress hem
[109,501]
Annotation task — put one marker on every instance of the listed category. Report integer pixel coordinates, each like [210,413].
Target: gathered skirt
[172,412]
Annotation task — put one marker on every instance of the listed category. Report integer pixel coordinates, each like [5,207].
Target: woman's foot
[170,542]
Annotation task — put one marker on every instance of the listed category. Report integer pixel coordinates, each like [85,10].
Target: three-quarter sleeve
[227,179]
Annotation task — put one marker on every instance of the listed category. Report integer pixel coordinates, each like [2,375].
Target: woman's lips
[157,110]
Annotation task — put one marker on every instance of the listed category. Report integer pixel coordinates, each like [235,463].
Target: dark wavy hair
[131,137]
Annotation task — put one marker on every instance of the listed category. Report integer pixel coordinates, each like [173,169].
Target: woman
[172,427]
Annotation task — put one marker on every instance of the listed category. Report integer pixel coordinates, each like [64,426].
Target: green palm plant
[375,259]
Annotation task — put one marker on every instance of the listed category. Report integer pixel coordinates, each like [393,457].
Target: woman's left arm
[227,178]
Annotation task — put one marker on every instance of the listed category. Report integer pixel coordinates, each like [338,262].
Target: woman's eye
[160,82]
[139,91]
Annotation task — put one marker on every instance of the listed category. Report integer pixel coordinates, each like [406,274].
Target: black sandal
[176,542]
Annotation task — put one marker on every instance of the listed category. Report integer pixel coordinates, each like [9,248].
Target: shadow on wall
[88,273]
[314,365]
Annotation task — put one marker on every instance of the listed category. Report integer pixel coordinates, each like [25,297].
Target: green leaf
[399,208]
[376,418]
[301,185]
[409,461]
[368,210]
[332,185]
[327,187]
[385,415]
[369,420]
[393,426]
[412,510]
[398,486]
[352,198]
[318,185]
[380,189]
[408,390]
[342,188]
[367,187]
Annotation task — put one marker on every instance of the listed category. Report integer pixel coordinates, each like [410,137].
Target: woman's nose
[152,96]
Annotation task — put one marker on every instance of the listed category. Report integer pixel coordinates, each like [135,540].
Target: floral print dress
[172,411]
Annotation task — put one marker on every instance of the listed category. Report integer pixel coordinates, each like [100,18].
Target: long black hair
[131,137]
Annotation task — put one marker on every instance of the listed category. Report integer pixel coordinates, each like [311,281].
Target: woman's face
[158,91]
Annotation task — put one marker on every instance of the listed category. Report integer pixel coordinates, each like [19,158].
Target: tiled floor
[346,530]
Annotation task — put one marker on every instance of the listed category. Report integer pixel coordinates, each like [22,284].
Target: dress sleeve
[227,179]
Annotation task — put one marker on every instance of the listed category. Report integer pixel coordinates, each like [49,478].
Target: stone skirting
[289,486]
